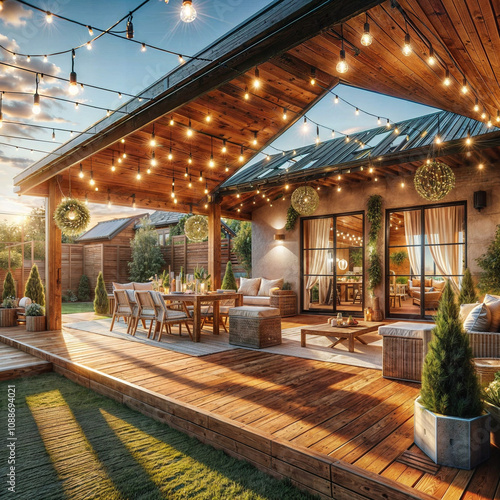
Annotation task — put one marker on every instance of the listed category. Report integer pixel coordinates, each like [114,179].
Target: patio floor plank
[333,429]
[15,363]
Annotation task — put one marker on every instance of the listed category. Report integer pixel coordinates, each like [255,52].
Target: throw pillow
[249,286]
[493,303]
[428,282]
[465,309]
[438,285]
[266,285]
[479,319]
[415,283]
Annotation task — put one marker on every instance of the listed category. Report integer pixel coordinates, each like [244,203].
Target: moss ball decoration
[196,228]
[72,216]
[434,180]
[305,200]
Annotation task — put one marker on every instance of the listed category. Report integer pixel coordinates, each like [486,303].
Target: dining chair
[124,308]
[145,310]
[165,317]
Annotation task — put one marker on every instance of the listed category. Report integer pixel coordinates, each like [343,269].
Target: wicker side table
[253,326]
[285,301]
[486,369]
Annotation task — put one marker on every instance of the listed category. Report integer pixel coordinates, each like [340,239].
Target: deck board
[15,363]
[292,417]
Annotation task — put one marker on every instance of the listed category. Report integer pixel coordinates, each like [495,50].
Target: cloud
[15,14]
[8,162]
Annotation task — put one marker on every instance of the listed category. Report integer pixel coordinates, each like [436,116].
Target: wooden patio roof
[284,41]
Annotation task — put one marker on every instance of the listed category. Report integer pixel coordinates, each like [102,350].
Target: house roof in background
[108,229]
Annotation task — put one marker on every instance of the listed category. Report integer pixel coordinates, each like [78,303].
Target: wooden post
[214,244]
[21,292]
[53,251]
[185,255]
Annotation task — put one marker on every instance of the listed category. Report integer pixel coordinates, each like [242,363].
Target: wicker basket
[285,301]
[254,332]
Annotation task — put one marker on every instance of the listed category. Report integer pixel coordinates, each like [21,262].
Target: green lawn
[73,443]
[77,307]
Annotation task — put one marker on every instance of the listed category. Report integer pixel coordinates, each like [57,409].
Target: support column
[53,250]
[214,244]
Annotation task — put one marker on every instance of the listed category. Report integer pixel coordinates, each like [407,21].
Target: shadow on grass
[143,458]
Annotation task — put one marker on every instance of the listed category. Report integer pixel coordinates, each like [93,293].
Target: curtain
[413,236]
[444,225]
[317,236]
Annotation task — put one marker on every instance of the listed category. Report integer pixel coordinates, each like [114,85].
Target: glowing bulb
[304,125]
[480,166]
[73,86]
[254,142]
[36,104]
[170,155]
[366,37]
[224,147]
[284,114]
[447,79]
[246,95]
[438,139]
[48,17]
[464,87]
[152,141]
[256,80]
[188,12]
[211,163]
[91,31]
[143,47]
[138,176]
[189,130]
[45,59]
[342,66]
[357,111]
[476,105]
[336,100]
[81,172]
[148,171]
[468,141]
[71,215]
[432,58]
[181,59]
[190,159]
[407,50]
[89,45]
[153,160]
[208,118]
[92,181]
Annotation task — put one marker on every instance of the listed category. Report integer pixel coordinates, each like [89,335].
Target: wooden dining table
[199,299]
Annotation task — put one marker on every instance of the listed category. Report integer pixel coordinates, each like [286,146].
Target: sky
[121,65]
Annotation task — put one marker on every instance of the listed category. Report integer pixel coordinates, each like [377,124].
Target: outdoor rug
[318,347]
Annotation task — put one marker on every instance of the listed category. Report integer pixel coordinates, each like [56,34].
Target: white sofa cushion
[254,312]
[493,303]
[249,286]
[255,300]
[465,309]
[267,285]
[479,319]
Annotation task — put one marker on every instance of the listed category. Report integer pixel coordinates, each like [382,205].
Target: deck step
[418,461]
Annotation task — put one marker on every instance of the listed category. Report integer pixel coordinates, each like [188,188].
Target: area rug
[318,347]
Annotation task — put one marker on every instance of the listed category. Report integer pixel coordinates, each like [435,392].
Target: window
[332,263]
[426,247]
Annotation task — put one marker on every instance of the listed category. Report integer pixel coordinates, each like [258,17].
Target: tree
[242,246]
[9,287]
[229,281]
[34,230]
[449,382]
[101,304]
[147,259]
[468,293]
[16,260]
[34,287]
[489,280]
[178,229]
[84,288]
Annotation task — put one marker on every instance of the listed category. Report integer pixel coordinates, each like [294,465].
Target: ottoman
[404,349]
[254,326]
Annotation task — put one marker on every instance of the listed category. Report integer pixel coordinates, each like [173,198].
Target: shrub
[492,392]
[16,260]
[291,218]
[229,281]
[242,246]
[449,382]
[9,287]
[286,286]
[84,288]
[101,296]
[468,293]
[8,303]
[489,280]
[34,287]
[35,310]
[69,296]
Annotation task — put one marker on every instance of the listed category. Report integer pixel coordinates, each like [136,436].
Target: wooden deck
[15,363]
[338,431]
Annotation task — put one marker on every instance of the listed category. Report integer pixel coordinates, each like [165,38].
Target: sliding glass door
[332,263]
[426,246]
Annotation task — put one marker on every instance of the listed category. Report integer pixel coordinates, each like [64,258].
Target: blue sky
[120,65]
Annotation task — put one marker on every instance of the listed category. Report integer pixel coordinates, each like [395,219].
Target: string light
[211,163]
[153,159]
[143,47]
[36,98]
[89,45]
[48,17]
[388,124]
[407,49]
[317,135]
[246,95]
[208,118]
[313,76]
[366,37]
[152,141]
[206,187]
[432,58]
[224,146]
[45,59]
[73,85]
[113,168]
[447,79]
[200,178]
[284,113]
[256,81]
[254,142]
[190,159]
[304,125]
[336,100]
[92,181]
[189,130]
[241,158]
[138,176]
[464,86]
[171,122]
[468,141]
[342,66]
[53,135]
[476,105]
[186,174]
[357,111]
[188,12]
[130,28]
[81,171]
[190,182]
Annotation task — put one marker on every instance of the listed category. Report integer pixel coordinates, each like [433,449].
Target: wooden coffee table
[350,333]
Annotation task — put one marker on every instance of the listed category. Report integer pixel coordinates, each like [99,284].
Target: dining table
[201,299]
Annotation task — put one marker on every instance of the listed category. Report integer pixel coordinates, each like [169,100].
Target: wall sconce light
[279,236]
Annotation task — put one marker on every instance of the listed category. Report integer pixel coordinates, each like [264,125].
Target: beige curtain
[413,236]
[317,236]
[445,225]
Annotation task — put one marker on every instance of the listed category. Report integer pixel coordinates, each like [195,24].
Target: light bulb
[48,17]
[304,125]
[143,47]
[208,118]
[89,45]
[342,66]
[476,105]
[246,95]
[91,31]
[148,171]
[73,85]
[284,114]
[189,130]
[71,215]
[336,100]
[92,181]
[407,50]
[190,159]
[45,59]
[211,163]
[153,160]
[28,58]
[432,59]
[464,87]
[468,141]
[36,104]
[224,147]
[170,155]
[81,171]
[357,111]
[171,122]
[447,79]
[256,80]
[188,12]
[138,176]
[366,37]
[152,141]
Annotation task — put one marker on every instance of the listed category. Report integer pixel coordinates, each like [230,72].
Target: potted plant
[8,312]
[451,426]
[492,403]
[229,281]
[398,258]
[9,286]
[35,318]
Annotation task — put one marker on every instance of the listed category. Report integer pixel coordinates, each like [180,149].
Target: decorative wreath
[434,180]
[196,228]
[72,216]
[305,200]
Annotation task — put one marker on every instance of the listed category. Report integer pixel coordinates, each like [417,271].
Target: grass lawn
[77,307]
[73,443]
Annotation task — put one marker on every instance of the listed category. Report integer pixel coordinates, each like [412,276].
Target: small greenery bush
[242,246]
[101,304]
[468,293]
[8,302]
[9,287]
[229,281]
[34,287]
[16,260]
[449,381]
[398,258]
[35,310]
[84,289]
[291,218]
[402,280]
[489,262]
[286,286]
[492,392]
[69,296]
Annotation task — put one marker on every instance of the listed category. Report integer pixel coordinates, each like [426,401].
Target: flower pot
[495,423]
[377,313]
[7,317]
[35,323]
[462,443]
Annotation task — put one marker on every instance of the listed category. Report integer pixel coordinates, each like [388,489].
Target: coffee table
[350,333]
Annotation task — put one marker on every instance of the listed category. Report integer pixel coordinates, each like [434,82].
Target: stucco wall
[273,259]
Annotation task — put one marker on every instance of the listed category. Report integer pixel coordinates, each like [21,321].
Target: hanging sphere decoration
[305,200]
[72,217]
[196,228]
[434,180]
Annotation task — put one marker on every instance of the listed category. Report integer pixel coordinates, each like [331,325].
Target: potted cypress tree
[35,318]
[101,303]
[34,287]
[451,426]
[9,287]
[468,293]
[229,281]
